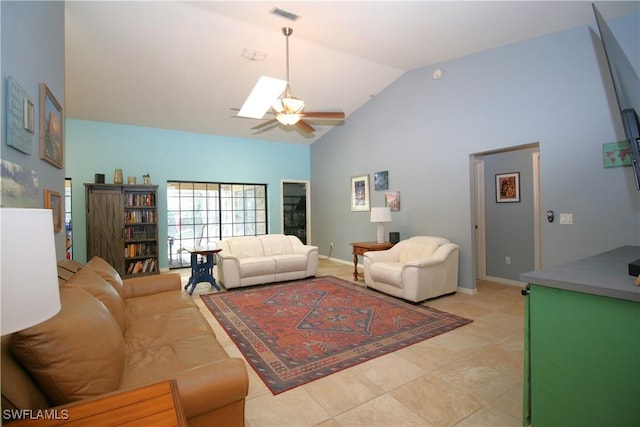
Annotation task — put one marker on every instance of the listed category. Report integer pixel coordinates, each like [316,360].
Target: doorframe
[478,211]
[537,225]
[480,220]
[307,203]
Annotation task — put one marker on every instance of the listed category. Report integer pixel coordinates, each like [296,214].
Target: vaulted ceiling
[183,65]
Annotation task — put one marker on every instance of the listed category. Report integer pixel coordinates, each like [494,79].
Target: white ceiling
[179,65]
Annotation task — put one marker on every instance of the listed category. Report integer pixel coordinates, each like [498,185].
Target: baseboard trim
[504,281]
[467,290]
[342,261]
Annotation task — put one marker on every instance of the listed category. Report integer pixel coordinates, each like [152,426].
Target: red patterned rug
[299,331]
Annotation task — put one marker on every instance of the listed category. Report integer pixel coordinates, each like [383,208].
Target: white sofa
[253,260]
[415,269]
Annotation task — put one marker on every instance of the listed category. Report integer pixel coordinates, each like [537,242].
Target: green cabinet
[582,344]
[584,359]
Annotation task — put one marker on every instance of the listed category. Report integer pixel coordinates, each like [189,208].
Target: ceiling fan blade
[323,115]
[304,126]
[266,128]
[263,124]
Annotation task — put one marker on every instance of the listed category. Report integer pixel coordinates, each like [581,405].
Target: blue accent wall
[32,40]
[96,147]
[553,90]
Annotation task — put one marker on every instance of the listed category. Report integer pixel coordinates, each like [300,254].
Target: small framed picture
[508,187]
[51,131]
[53,201]
[381,180]
[360,193]
[616,154]
[392,199]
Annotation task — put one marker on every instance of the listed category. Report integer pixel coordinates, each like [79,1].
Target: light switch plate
[566,218]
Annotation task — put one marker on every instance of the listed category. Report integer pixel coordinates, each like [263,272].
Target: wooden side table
[202,270]
[359,248]
[155,405]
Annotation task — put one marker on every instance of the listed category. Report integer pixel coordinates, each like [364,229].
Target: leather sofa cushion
[108,273]
[76,354]
[160,362]
[275,244]
[287,263]
[245,247]
[98,287]
[162,302]
[158,329]
[387,272]
[257,266]
[414,250]
[18,389]
[67,268]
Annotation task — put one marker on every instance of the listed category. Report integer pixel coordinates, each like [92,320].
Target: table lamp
[381,215]
[29,274]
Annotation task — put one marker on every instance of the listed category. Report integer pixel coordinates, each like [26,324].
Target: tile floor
[471,376]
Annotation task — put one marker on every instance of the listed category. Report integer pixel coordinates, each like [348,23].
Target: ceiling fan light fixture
[288,119]
[287,109]
[288,105]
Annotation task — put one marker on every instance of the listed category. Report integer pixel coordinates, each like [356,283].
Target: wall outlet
[507,260]
[331,244]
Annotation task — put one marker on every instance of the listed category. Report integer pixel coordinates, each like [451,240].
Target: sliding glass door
[201,213]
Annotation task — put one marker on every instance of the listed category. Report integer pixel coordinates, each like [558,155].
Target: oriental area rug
[299,331]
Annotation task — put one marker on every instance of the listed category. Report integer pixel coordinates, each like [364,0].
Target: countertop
[605,274]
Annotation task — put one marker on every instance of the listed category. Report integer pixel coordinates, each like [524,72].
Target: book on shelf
[147,265]
[138,267]
[141,199]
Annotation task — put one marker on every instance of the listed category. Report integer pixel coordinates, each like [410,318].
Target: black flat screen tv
[627,87]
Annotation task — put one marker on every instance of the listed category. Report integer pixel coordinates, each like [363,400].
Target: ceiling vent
[284,14]
[253,55]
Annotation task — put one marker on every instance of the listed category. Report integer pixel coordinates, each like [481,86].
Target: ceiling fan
[288,110]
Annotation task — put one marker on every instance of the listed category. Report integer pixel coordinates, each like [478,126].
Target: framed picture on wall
[392,199]
[360,193]
[53,201]
[51,132]
[508,187]
[381,180]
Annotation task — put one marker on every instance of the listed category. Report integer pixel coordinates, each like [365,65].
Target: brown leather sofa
[112,335]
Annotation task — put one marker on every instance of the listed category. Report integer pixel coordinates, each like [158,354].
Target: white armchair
[415,269]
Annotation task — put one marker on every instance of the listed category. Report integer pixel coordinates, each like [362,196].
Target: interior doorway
[482,195]
[296,209]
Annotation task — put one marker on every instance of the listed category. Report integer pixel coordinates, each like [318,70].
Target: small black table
[202,269]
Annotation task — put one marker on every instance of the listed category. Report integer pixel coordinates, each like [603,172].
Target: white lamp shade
[29,275]
[381,214]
